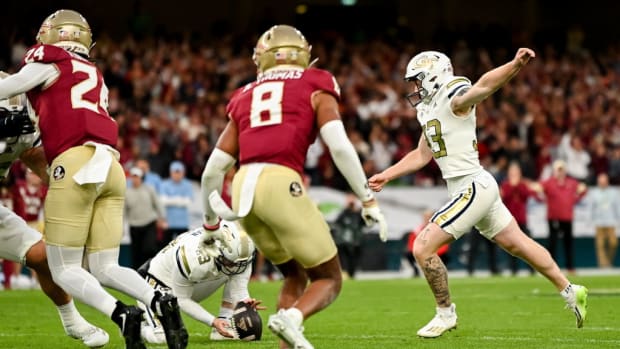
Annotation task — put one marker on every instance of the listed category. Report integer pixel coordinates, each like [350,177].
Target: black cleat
[128,319]
[166,307]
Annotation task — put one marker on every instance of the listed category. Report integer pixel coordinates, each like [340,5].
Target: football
[246,322]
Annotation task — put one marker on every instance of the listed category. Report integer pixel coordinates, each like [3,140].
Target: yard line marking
[562,340]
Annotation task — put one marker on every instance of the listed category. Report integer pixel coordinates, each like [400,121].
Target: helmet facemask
[428,71]
[66,29]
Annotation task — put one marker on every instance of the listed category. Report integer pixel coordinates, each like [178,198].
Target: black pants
[143,243]
[349,255]
[475,240]
[514,261]
[562,229]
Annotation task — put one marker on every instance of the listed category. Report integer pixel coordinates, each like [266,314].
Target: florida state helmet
[281,44]
[67,29]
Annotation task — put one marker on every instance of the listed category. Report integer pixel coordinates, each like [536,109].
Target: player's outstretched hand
[523,56]
[377,182]
[224,327]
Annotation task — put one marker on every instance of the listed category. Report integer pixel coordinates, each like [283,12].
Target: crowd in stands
[169,98]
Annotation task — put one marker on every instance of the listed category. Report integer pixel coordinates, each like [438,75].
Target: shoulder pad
[45,54]
[192,259]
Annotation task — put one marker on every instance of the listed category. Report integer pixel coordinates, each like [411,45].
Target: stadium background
[567,29]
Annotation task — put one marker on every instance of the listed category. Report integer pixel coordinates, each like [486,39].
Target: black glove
[15,123]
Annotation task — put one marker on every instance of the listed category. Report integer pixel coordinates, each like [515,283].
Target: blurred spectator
[176,197]
[562,193]
[577,158]
[515,192]
[605,215]
[144,214]
[410,237]
[149,177]
[348,234]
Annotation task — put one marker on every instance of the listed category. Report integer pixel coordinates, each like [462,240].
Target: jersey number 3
[267,104]
[436,142]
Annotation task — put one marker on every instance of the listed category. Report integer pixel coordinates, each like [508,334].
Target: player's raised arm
[491,81]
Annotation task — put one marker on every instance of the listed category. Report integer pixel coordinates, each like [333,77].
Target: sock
[295,315]
[65,263]
[104,266]
[567,292]
[69,316]
[449,310]
[225,313]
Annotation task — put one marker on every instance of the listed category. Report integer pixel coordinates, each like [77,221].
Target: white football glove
[213,232]
[372,215]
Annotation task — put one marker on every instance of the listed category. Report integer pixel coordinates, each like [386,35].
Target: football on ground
[246,322]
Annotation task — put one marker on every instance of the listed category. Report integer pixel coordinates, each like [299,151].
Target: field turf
[494,312]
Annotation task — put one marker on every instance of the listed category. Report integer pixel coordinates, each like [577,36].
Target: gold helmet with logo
[67,29]
[281,44]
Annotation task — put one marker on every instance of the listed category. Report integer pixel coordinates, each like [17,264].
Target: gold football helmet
[281,44]
[67,29]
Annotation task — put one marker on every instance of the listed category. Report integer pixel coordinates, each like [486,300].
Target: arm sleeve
[236,288]
[213,179]
[29,77]
[345,158]
[183,289]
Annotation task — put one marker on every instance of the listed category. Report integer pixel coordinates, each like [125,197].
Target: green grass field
[497,312]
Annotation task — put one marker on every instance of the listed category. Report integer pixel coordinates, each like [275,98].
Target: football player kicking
[272,122]
[84,203]
[193,269]
[19,242]
[446,109]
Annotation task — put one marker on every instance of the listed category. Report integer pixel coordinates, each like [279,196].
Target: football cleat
[128,319]
[91,336]
[578,303]
[166,307]
[282,326]
[153,335]
[444,320]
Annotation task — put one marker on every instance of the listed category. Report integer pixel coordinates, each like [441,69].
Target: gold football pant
[84,215]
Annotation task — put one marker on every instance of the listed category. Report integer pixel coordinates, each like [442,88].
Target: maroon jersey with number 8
[274,115]
[73,109]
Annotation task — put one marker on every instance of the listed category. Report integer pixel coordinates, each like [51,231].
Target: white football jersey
[451,138]
[186,256]
[12,147]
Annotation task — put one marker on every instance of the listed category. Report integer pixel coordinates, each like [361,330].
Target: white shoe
[444,320]
[284,327]
[577,301]
[153,335]
[91,336]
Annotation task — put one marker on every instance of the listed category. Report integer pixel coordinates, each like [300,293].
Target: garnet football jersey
[73,109]
[274,115]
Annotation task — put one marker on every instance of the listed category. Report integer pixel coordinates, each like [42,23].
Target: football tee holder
[246,322]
